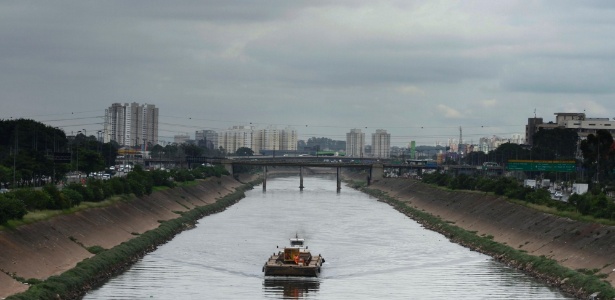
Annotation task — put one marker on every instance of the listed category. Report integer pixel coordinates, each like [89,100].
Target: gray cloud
[419,68]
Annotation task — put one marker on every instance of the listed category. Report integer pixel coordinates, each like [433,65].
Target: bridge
[376,167]
[375,170]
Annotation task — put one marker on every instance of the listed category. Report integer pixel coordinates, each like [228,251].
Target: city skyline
[418,69]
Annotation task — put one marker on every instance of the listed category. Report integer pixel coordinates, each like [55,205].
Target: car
[558,194]
[3,190]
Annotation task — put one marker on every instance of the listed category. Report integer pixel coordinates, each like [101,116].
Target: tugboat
[295,260]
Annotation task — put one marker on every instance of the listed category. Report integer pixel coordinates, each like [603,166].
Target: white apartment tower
[131,124]
[235,137]
[355,142]
[288,139]
[271,138]
[381,144]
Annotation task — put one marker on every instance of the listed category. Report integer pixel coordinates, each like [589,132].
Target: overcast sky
[419,69]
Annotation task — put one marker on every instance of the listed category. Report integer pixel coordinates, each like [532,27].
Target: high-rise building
[206,138]
[131,124]
[181,138]
[288,139]
[355,143]
[235,137]
[381,144]
[271,138]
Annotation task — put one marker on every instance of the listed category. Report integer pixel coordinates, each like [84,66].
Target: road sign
[542,165]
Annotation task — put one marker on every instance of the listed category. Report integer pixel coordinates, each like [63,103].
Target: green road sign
[542,165]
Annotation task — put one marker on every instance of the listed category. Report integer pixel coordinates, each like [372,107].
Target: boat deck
[276,267]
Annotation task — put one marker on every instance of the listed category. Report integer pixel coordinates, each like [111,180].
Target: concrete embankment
[573,244]
[51,247]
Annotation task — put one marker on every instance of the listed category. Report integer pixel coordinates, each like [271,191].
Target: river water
[371,252]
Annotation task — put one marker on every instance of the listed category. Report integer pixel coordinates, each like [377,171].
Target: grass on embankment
[580,284]
[573,215]
[41,215]
[94,271]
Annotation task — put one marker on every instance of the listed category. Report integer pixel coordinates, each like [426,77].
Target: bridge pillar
[339,179]
[300,177]
[228,165]
[264,178]
[376,172]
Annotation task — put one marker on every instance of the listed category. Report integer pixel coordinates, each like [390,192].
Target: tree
[191,150]
[475,158]
[598,154]
[556,143]
[244,151]
[506,152]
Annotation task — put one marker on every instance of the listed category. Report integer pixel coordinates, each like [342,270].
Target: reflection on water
[290,288]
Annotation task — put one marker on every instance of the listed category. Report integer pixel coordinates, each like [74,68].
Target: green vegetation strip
[579,284]
[95,270]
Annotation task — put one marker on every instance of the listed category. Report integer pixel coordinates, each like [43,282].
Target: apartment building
[355,143]
[381,144]
[131,124]
[273,139]
[206,138]
[236,137]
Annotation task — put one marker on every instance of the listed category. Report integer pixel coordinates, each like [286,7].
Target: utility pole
[459,145]
[15,153]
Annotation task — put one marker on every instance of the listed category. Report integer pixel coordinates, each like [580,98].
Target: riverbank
[45,249]
[585,247]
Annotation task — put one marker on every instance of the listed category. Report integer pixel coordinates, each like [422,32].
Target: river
[371,250]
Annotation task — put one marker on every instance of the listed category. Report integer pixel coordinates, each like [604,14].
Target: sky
[418,69]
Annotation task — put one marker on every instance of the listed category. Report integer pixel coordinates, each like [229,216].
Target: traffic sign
[542,165]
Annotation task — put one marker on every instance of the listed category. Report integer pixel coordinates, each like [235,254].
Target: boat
[294,260]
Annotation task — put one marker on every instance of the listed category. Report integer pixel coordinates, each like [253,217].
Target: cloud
[448,112]
[410,90]
[489,103]
[332,65]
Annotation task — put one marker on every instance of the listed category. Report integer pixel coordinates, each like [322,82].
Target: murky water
[371,251]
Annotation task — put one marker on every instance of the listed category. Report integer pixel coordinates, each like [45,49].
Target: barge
[295,260]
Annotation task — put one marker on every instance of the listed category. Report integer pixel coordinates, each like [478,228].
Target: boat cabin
[296,243]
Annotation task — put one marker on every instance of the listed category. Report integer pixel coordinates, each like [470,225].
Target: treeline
[27,149]
[594,203]
[15,204]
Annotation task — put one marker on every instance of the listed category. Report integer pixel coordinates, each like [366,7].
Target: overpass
[376,167]
[375,170]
